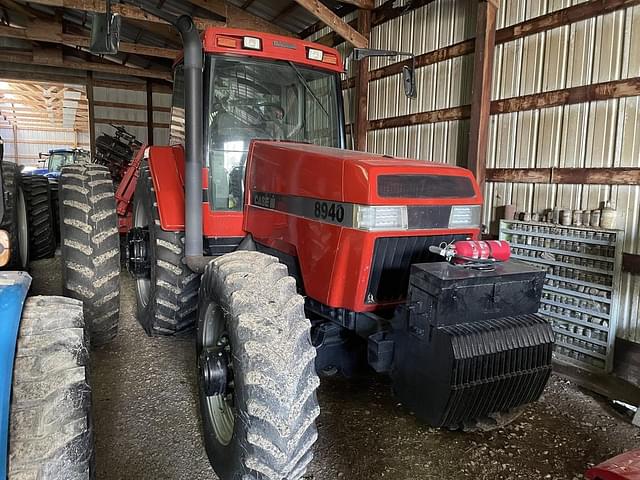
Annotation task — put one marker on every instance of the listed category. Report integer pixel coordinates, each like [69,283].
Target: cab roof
[231,41]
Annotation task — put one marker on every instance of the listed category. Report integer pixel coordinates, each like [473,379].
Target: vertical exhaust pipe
[193,55]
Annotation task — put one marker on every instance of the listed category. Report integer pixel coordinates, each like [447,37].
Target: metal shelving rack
[580,296]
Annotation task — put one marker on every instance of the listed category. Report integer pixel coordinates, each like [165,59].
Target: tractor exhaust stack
[193,138]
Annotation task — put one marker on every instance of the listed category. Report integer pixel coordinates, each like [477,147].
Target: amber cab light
[228,42]
[329,58]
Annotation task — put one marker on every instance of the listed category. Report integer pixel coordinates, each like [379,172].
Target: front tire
[90,246]
[167,293]
[262,425]
[50,431]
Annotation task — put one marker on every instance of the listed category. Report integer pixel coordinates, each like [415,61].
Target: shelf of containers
[580,296]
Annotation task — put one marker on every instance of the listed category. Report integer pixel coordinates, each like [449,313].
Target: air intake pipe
[193,147]
[193,143]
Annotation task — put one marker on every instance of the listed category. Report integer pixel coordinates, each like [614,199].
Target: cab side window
[176,133]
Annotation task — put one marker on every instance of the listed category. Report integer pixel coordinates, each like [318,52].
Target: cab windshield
[58,160]
[252,99]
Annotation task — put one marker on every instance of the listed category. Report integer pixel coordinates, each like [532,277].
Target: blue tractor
[45,397]
[58,158]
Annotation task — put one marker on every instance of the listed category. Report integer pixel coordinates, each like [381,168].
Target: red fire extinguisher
[474,251]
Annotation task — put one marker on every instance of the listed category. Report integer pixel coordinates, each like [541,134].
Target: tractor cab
[58,158]
[260,86]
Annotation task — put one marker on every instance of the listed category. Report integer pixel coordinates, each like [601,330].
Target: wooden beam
[149,113]
[38,58]
[631,263]
[433,116]
[51,32]
[481,89]
[362,89]
[136,87]
[130,106]
[237,17]
[334,22]
[126,11]
[596,176]
[566,176]
[589,93]
[92,112]
[519,175]
[365,4]
[132,123]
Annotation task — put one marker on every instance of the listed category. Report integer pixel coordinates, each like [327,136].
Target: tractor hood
[311,171]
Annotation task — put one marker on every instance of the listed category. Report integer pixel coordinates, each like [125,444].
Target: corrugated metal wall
[596,134]
[442,85]
[31,142]
[132,97]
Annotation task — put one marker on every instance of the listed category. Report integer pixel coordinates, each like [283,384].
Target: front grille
[391,264]
[425,186]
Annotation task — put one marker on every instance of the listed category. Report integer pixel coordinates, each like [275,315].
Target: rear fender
[13,291]
[167,172]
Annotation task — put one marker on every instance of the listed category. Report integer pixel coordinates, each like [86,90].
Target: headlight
[463,216]
[367,217]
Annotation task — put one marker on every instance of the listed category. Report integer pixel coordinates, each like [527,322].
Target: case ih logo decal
[337,213]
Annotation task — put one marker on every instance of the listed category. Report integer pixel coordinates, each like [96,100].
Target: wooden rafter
[126,11]
[35,105]
[334,22]
[366,4]
[50,32]
[238,17]
[37,58]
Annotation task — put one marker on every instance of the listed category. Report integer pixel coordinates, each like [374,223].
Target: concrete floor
[147,425]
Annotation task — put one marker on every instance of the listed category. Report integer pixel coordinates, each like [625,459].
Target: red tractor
[294,257]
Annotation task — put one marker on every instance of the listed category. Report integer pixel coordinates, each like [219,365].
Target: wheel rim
[143,284]
[218,409]
[23,230]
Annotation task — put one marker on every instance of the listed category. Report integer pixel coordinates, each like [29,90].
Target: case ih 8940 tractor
[294,257]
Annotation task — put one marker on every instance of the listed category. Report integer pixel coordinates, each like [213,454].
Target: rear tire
[37,195]
[91,247]
[15,220]
[50,432]
[166,298]
[250,313]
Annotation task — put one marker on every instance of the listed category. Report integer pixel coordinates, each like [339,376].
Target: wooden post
[362,88]
[92,115]
[149,113]
[481,89]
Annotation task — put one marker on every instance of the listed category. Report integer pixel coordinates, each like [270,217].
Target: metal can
[565,217]
[594,219]
[577,218]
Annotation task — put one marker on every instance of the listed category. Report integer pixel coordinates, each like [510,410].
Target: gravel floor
[147,424]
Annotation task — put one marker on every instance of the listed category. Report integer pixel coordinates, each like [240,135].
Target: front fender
[13,291]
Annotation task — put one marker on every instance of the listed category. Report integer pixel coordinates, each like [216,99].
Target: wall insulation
[595,134]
